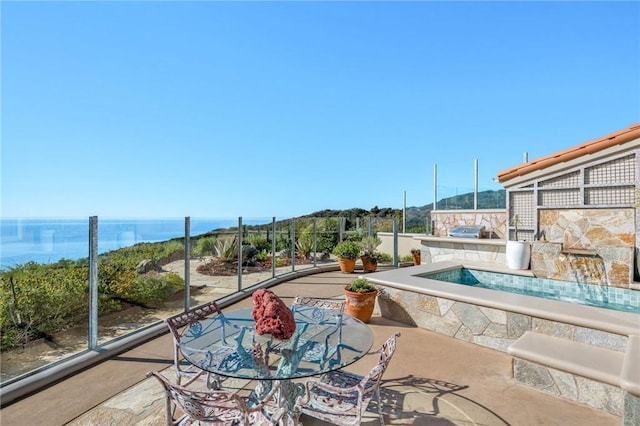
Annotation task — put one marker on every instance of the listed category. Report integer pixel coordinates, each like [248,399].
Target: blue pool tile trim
[619,299]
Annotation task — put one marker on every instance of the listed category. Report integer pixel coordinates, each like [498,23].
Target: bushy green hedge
[157,252]
[37,300]
[205,246]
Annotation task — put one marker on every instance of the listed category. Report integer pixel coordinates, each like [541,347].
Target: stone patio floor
[432,380]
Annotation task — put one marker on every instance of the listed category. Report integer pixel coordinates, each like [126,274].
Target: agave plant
[226,249]
[304,246]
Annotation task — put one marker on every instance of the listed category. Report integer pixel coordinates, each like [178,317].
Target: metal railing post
[293,244]
[273,247]
[93,283]
[315,242]
[404,212]
[240,253]
[187,263]
[475,184]
[395,242]
[435,187]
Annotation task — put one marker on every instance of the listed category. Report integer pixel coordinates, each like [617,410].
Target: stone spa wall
[592,246]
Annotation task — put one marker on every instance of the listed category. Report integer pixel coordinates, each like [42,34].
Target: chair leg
[379,406]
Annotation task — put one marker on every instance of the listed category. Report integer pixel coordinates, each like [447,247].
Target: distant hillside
[418,216]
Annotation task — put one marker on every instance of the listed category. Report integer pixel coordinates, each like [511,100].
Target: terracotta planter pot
[367,264]
[347,266]
[417,259]
[360,305]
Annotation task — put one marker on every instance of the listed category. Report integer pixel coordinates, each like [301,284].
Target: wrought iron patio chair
[216,406]
[178,325]
[341,397]
[321,353]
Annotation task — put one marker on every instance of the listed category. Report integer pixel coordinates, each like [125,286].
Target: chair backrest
[317,302]
[372,380]
[387,350]
[178,326]
[218,406]
[177,323]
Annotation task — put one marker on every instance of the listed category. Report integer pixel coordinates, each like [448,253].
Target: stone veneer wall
[494,221]
[436,251]
[498,329]
[489,327]
[601,396]
[595,246]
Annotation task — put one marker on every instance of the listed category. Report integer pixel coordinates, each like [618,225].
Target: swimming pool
[618,299]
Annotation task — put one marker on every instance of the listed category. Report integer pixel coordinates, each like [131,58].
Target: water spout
[587,266]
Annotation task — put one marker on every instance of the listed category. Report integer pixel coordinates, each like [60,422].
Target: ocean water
[50,240]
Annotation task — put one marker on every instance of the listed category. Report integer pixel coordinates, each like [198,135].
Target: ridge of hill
[417,216]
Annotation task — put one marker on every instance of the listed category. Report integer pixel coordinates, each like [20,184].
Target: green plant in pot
[369,254]
[347,252]
[416,254]
[360,295]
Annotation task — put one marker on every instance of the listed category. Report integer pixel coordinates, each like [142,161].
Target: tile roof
[612,139]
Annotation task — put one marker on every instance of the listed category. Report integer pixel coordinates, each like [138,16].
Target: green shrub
[347,250]
[327,235]
[175,279]
[262,255]
[151,287]
[361,285]
[304,245]
[283,243]
[205,246]
[37,300]
[258,241]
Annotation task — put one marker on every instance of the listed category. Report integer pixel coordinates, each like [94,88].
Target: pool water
[618,299]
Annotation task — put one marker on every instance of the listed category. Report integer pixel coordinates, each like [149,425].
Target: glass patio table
[324,340]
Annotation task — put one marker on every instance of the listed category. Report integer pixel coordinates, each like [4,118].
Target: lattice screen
[618,171]
[570,179]
[610,195]
[610,183]
[523,205]
[559,198]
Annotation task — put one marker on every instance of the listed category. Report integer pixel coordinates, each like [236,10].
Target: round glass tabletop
[324,340]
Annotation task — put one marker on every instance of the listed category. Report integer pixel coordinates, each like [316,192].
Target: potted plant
[361,298]
[369,253]
[518,252]
[347,252]
[416,253]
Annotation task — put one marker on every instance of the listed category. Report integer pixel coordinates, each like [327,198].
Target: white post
[404,212]
[475,185]
[435,187]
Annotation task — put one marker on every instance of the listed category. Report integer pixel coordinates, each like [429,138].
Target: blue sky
[259,109]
